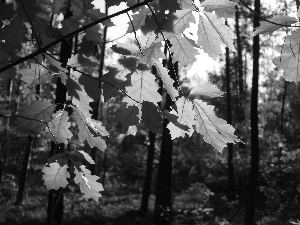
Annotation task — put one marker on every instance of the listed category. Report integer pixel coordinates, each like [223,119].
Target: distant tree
[254,170]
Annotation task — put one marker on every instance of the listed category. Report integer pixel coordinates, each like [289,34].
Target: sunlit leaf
[55,176]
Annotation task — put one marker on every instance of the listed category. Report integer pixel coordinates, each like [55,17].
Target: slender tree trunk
[24,171]
[104,168]
[55,209]
[56,198]
[251,197]
[242,92]
[230,169]
[148,175]
[150,157]
[98,105]
[163,214]
[1,168]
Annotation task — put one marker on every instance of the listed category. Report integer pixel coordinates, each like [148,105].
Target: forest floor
[114,208]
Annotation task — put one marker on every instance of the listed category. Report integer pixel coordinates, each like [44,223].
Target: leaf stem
[30,21]
[134,31]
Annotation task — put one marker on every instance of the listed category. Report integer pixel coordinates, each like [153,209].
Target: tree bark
[251,196]
[24,171]
[163,214]
[230,168]
[148,175]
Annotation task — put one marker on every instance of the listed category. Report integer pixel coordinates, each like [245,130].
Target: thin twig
[134,31]
[262,18]
[282,107]
[166,42]
[36,37]
[43,49]
[159,27]
[32,119]
[116,39]
[95,78]
[120,89]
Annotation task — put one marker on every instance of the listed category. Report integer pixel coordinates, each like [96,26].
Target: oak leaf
[88,183]
[59,127]
[55,176]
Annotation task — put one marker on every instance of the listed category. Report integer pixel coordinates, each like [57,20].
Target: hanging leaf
[177,132]
[223,31]
[215,131]
[289,56]
[169,5]
[218,4]
[208,38]
[60,6]
[186,116]
[90,130]
[59,127]
[177,22]
[87,157]
[166,79]
[88,183]
[206,89]
[93,33]
[151,117]
[110,3]
[38,110]
[79,97]
[138,19]
[114,80]
[212,33]
[173,118]
[152,52]
[36,74]
[132,130]
[150,48]
[184,51]
[127,117]
[55,176]
[185,112]
[143,88]
[186,4]
[222,8]
[267,27]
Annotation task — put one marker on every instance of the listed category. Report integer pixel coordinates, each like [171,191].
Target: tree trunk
[24,171]
[148,176]
[55,209]
[251,196]
[230,169]
[98,105]
[163,203]
[0,169]
[56,198]
[104,168]
[242,92]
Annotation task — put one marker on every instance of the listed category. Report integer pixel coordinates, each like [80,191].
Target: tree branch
[262,18]
[43,49]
